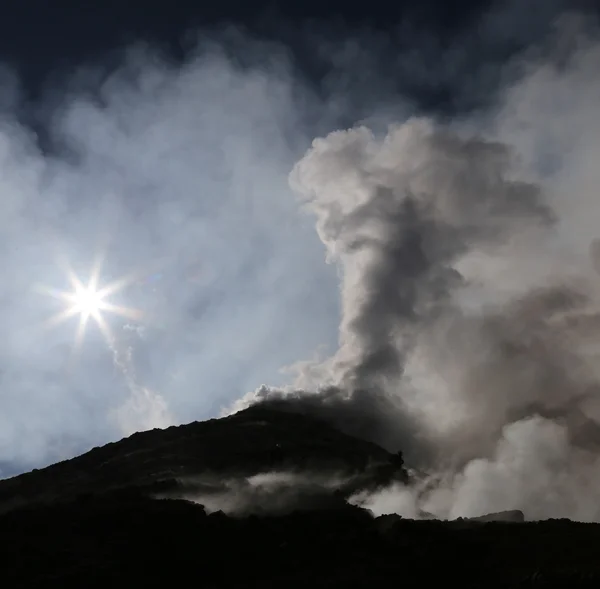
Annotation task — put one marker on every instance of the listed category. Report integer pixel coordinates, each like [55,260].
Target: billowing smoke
[273,493]
[174,172]
[470,331]
[466,246]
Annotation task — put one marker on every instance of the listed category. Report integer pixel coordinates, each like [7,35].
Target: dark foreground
[171,543]
[98,520]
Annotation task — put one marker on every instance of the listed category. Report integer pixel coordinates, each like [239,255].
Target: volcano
[260,498]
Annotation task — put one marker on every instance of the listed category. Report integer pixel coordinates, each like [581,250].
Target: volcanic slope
[204,455]
[96,521]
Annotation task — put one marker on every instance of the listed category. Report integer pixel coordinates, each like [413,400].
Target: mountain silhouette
[260,498]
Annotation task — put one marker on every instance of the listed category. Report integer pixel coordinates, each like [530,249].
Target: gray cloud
[466,318]
[468,255]
[397,215]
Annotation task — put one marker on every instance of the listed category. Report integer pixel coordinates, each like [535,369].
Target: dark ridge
[250,442]
[98,520]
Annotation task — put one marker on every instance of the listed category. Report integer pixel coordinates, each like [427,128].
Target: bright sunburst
[90,301]
[87,301]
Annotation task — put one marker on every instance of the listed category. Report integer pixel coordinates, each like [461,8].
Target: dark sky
[45,42]
[39,36]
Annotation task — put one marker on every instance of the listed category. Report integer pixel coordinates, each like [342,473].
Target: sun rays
[89,301]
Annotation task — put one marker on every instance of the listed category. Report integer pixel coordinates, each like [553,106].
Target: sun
[90,301]
[87,301]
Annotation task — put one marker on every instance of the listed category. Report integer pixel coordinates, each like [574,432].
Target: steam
[470,331]
[273,493]
[144,409]
[467,249]
[180,168]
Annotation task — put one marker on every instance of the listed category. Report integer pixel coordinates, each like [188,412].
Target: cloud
[176,173]
[470,293]
[275,492]
[465,312]
[398,215]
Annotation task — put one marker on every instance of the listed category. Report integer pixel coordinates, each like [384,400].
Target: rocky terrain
[259,499]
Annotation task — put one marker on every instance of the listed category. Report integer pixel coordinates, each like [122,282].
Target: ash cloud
[470,294]
[398,215]
[465,240]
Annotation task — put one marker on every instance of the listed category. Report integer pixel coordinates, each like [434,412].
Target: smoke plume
[461,216]
[144,409]
[274,493]
[470,330]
